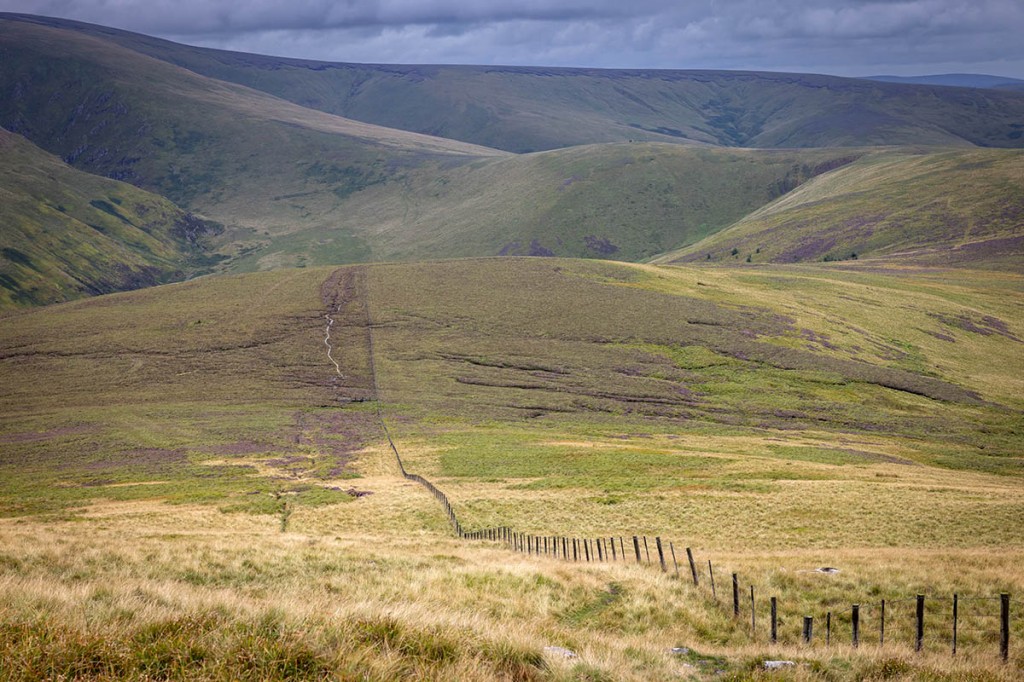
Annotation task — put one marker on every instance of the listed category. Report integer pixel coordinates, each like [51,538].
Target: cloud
[835,36]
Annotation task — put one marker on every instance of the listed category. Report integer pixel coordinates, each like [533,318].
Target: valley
[302,363]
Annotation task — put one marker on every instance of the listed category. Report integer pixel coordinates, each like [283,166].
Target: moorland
[776,319]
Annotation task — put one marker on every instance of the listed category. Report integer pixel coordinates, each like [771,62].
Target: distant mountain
[524,109]
[640,163]
[66,234]
[260,165]
[960,80]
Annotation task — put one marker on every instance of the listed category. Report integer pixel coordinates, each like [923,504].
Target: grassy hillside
[927,209]
[297,187]
[258,164]
[175,490]
[623,202]
[66,234]
[527,109]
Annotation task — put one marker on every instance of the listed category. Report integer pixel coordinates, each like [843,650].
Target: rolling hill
[959,80]
[626,201]
[66,233]
[529,109]
[956,207]
[177,461]
[297,186]
[257,164]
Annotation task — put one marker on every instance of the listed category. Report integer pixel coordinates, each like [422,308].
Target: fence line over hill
[878,622]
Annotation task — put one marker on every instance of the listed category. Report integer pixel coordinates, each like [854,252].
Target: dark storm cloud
[836,36]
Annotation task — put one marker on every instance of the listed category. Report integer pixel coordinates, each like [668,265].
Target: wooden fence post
[600,553]
[711,575]
[808,629]
[753,612]
[636,547]
[672,549]
[1004,627]
[611,541]
[828,628]
[693,566]
[622,548]
[855,620]
[586,548]
[956,599]
[920,623]
[881,625]
[735,595]
[775,621]
[661,554]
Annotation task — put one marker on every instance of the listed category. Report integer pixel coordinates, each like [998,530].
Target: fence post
[956,599]
[881,626]
[1004,627]
[711,574]
[828,629]
[808,629]
[622,548]
[636,547]
[611,541]
[661,554]
[586,548]
[775,621]
[735,596]
[753,612]
[600,553]
[920,623]
[672,549]
[693,566]
[855,620]
[647,550]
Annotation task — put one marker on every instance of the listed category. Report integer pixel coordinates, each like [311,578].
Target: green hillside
[531,347]
[66,233]
[177,466]
[257,164]
[940,208]
[527,109]
[294,186]
[618,201]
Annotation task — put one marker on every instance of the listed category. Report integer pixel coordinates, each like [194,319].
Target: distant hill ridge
[297,163]
[960,80]
[523,109]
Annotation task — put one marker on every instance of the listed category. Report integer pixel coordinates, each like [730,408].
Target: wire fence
[920,621]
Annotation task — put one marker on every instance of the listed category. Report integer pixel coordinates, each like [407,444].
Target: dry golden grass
[126,577]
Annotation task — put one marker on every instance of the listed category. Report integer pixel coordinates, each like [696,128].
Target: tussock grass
[143,479]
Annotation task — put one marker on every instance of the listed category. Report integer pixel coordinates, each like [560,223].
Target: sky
[842,37]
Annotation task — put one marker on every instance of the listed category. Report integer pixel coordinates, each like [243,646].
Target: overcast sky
[844,37]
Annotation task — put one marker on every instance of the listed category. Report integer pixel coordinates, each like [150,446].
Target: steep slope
[237,155]
[300,187]
[528,109]
[957,207]
[65,233]
[616,201]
